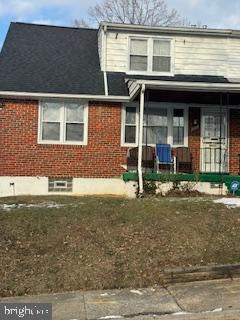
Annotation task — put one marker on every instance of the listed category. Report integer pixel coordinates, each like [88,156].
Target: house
[73,101]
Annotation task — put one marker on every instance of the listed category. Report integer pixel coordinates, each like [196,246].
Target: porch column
[140,139]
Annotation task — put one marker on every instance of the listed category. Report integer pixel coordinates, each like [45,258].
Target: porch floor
[227,179]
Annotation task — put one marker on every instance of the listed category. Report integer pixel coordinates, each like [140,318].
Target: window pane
[178,122]
[138,47]
[74,112]
[74,132]
[130,115]
[178,135]
[178,126]
[178,118]
[138,63]
[154,135]
[161,48]
[51,111]
[162,64]
[178,112]
[130,134]
[155,117]
[51,131]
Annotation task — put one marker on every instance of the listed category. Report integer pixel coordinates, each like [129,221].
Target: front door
[214,140]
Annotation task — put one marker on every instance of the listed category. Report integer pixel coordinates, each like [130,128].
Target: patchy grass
[99,243]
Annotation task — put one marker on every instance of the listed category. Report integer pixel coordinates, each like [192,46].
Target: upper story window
[63,123]
[150,55]
[139,55]
[161,55]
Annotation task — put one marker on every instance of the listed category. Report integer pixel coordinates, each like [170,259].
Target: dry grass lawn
[99,243]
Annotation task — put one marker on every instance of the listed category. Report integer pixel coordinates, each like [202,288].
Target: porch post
[140,139]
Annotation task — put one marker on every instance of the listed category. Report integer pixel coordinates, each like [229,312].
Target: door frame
[214,108]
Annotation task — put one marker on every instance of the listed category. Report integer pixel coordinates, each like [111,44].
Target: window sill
[70,143]
[128,145]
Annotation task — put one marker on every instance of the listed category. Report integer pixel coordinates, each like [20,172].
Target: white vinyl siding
[203,55]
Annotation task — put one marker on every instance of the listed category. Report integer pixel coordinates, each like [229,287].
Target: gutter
[190,86]
[104,60]
[172,30]
[15,94]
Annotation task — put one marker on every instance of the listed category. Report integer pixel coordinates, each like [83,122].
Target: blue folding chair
[164,156]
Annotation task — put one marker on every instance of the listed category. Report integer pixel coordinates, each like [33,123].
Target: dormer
[168,51]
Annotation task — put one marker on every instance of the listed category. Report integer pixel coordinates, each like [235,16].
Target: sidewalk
[217,299]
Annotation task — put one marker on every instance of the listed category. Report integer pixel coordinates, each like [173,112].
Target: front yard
[96,243]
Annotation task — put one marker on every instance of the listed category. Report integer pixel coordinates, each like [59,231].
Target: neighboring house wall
[202,55]
[21,155]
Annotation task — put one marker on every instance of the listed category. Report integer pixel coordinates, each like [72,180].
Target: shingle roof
[48,59]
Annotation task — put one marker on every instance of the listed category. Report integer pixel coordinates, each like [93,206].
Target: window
[161,56]
[150,55]
[51,121]
[155,128]
[130,125]
[162,123]
[62,122]
[60,184]
[178,126]
[138,55]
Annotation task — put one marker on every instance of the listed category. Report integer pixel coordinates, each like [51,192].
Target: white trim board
[16,94]
[189,86]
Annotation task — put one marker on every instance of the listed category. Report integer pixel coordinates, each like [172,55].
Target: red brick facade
[194,125]
[21,155]
[234,141]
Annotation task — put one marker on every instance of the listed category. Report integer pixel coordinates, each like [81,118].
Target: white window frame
[150,41]
[123,119]
[170,107]
[63,123]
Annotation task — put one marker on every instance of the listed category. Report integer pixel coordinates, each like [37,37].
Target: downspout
[140,140]
[104,60]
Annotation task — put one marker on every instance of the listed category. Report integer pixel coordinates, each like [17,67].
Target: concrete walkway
[218,299]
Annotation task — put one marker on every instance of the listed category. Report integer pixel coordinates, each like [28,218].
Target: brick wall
[194,136]
[234,141]
[20,155]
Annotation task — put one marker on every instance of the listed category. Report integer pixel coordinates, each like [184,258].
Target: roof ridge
[52,26]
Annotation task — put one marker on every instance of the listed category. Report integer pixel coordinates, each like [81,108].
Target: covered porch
[202,118]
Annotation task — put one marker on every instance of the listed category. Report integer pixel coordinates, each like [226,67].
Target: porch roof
[195,83]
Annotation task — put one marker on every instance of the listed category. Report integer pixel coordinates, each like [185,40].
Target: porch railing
[214,160]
